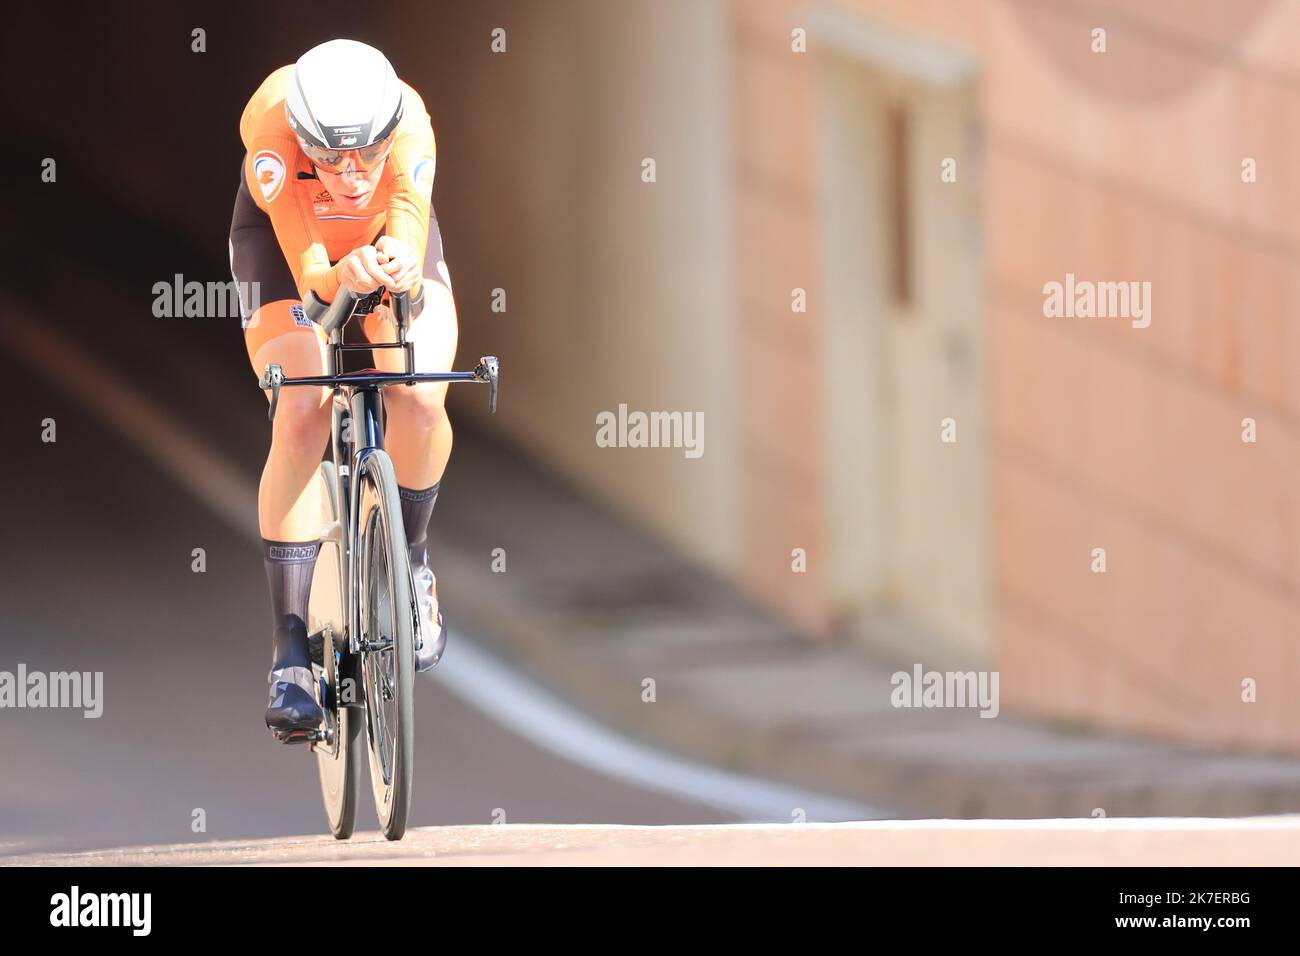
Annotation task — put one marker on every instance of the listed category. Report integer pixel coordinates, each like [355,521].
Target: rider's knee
[302,419]
[437,297]
[422,406]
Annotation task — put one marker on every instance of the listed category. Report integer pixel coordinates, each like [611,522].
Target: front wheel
[388,613]
[338,759]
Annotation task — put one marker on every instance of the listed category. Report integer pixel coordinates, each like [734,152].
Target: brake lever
[489,370]
[272,378]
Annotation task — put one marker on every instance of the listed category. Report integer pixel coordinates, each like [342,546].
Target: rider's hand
[360,271]
[398,263]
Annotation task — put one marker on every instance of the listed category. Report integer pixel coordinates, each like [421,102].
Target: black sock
[289,566]
[417,508]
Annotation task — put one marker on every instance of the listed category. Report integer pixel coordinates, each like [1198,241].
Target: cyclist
[335,192]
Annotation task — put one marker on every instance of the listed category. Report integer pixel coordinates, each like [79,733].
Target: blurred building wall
[1116,166]
[1072,435]
[626,292]
[1131,439]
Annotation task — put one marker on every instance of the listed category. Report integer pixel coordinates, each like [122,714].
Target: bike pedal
[297,736]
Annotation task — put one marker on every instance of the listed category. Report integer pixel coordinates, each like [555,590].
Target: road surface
[1266,841]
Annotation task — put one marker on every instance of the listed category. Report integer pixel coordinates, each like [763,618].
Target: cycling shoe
[432,642]
[293,700]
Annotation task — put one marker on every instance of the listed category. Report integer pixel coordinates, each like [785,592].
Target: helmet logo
[346,137]
[268,171]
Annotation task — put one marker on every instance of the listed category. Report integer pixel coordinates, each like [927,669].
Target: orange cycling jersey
[312,230]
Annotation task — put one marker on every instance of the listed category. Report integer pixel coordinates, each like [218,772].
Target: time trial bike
[363,622]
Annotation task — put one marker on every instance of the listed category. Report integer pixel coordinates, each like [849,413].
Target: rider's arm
[412,161]
[271,184]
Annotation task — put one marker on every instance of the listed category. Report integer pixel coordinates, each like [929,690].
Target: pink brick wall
[776,233]
[1123,166]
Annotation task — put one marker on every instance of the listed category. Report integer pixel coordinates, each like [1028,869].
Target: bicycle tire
[338,766]
[389,675]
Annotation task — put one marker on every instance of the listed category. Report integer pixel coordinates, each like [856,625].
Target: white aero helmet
[344,104]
